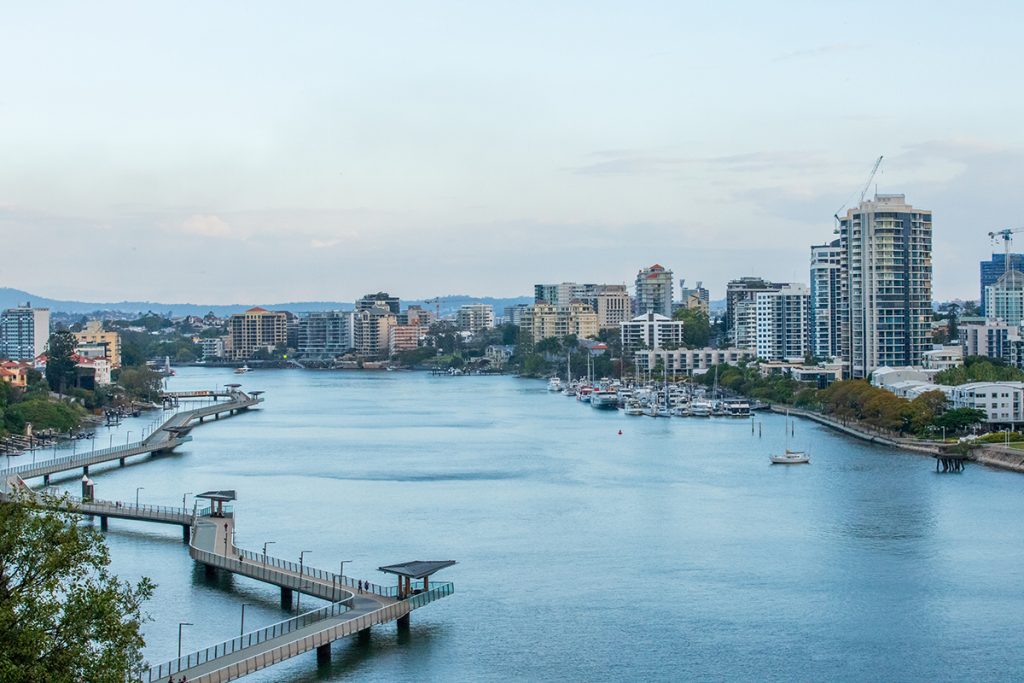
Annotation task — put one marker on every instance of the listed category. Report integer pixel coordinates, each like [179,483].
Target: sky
[236,152]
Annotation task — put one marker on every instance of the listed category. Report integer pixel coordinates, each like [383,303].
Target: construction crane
[867,185]
[1007,237]
[437,307]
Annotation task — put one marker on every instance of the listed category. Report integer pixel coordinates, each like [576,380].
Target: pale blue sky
[249,151]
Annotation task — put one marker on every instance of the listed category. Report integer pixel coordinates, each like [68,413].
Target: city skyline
[459,148]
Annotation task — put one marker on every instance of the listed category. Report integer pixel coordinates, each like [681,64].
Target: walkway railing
[323,588]
[319,574]
[261,660]
[158,440]
[247,640]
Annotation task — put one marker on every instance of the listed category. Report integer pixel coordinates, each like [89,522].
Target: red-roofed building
[255,329]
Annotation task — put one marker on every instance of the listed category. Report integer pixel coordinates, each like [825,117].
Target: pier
[171,434]
[355,605]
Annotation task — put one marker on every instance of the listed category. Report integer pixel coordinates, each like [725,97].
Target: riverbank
[864,434]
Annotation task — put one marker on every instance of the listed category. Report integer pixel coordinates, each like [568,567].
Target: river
[671,551]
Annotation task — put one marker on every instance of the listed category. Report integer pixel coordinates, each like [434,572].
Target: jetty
[354,605]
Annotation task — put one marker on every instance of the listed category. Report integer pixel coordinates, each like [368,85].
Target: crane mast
[1007,237]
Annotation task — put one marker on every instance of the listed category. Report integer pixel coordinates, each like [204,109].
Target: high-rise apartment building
[613,306]
[1004,300]
[256,328]
[24,332]
[325,335]
[740,313]
[826,265]
[695,297]
[405,337]
[371,330]
[416,315]
[782,323]
[475,317]
[565,293]
[885,284]
[379,300]
[994,268]
[653,291]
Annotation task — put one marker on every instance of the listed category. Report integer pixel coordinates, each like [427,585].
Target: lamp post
[127,436]
[137,489]
[111,444]
[241,630]
[180,624]
[187,493]
[265,544]
[298,596]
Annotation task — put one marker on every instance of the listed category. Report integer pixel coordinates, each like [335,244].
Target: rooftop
[417,569]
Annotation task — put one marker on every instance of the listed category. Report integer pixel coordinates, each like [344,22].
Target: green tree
[696,327]
[959,419]
[60,367]
[63,617]
[140,382]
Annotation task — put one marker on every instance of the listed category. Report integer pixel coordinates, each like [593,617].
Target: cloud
[821,51]
[324,244]
[209,225]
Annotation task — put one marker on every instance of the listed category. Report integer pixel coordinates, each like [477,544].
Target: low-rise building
[211,348]
[499,354]
[651,331]
[94,342]
[943,358]
[1002,402]
[689,361]
[543,320]
[405,337]
[13,373]
[886,377]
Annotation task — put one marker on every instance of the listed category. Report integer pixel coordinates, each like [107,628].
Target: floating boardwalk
[355,606]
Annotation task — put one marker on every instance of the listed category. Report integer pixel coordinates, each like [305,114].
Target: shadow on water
[349,655]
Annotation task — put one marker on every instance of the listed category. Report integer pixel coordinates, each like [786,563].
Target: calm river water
[672,551]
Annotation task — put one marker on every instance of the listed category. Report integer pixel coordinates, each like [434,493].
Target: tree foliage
[979,369]
[60,366]
[140,382]
[696,327]
[63,616]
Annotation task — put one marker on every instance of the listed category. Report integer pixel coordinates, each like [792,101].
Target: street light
[137,489]
[127,436]
[180,624]
[298,597]
[187,493]
[265,544]
[241,631]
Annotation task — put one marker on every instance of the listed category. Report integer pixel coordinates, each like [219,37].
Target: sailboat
[790,457]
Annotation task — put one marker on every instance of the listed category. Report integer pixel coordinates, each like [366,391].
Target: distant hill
[15,297]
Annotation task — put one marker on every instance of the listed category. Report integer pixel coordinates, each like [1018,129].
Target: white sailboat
[789,457]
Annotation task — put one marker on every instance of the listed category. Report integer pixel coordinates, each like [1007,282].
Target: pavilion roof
[417,569]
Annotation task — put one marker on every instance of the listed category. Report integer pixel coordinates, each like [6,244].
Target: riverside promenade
[355,605]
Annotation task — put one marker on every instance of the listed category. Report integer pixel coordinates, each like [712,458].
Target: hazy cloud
[821,51]
[324,244]
[209,225]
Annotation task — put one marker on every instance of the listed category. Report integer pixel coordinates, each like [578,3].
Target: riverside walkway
[171,434]
[355,606]
[352,609]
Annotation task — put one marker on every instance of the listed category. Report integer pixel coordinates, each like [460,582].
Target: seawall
[902,444]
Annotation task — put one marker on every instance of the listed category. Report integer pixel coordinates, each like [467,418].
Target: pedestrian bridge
[171,434]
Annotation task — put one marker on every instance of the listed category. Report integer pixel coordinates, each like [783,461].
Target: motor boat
[604,399]
[242,370]
[701,408]
[634,407]
[554,384]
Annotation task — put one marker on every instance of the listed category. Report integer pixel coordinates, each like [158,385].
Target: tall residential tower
[885,284]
